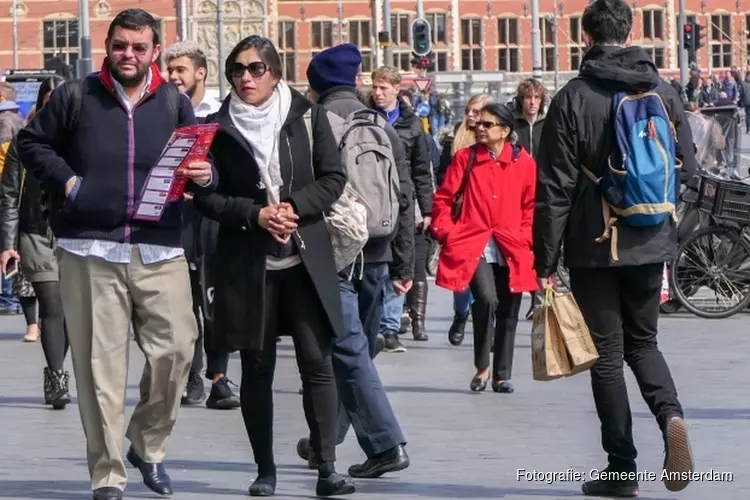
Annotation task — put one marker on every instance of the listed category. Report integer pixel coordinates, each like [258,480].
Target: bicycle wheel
[711,275]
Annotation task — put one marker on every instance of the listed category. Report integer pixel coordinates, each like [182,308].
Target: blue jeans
[392,307]
[462,302]
[7,300]
[363,402]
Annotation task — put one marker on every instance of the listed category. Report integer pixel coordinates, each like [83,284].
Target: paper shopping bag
[549,357]
[576,336]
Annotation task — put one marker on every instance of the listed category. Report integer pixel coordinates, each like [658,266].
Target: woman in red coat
[487,245]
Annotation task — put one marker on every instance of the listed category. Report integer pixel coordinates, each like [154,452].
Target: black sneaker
[678,462]
[611,484]
[379,344]
[195,392]
[222,397]
[392,343]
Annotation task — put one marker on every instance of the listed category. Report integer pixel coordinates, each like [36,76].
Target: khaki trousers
[101,300]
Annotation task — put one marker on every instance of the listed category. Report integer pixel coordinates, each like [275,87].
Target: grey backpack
[369,206]
[367,156]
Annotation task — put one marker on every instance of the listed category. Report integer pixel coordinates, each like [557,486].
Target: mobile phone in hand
[11,269]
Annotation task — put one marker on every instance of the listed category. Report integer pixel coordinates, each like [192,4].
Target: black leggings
[311,331]
[28,306]
[54,336]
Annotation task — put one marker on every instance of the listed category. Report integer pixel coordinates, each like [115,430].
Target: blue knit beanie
[333,67]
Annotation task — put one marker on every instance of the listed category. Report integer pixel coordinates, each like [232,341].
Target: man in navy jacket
[92,148]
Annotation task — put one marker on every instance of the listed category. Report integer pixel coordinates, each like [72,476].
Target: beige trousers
[101,300]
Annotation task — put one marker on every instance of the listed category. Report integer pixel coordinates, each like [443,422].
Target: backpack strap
[174,98]
[610,219]
[75,101]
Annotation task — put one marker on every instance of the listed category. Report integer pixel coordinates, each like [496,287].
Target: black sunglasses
[487,124]
[255,68]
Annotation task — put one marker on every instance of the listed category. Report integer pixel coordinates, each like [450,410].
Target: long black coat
[310,186]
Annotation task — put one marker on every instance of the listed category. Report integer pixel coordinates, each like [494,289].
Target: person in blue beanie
[332,76]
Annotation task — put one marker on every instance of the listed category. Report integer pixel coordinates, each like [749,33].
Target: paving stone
[462,445]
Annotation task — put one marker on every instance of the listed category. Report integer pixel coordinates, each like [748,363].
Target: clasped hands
[279,220]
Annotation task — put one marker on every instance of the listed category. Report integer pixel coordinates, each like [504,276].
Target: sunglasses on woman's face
[487,124]
[255,68]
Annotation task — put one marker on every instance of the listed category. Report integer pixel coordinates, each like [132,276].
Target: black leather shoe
[502,386]
[478,384]
[108,493]
[263,487]
[392,460]
[333,486]
[457,331]
[305,452]
[154,476]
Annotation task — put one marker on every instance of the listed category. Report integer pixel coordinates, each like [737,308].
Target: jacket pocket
[95,205]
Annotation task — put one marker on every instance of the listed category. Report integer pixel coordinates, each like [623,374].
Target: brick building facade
[481,35]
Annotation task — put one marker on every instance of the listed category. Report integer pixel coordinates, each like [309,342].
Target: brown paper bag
[582,353]
[549,358]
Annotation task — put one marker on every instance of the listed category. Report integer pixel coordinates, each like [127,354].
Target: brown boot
[417,301]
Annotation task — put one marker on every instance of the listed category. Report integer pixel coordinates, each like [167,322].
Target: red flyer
[163,184]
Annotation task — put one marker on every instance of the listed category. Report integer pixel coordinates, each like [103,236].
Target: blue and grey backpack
[639,184]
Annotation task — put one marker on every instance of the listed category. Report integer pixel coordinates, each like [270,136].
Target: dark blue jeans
[363,402]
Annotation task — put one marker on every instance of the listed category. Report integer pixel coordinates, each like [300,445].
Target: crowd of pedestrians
[275,216]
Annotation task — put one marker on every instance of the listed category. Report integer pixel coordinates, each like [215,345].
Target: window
[286,46]
[721,28]
[361,36]
[322,35]
[720,40]
[61,39]
[548,29]
[653,24]
[508,53]
[575,31]
[400,29]
[439,30]
[471,41]
[721,55]
[657,55]
[438,24]
[402,60]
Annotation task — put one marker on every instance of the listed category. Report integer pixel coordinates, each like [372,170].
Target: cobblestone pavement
[462,445]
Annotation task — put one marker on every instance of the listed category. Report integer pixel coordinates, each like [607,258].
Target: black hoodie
[578,132]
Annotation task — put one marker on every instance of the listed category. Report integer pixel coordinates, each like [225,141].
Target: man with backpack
[92,148]
[607,185]
[378,176]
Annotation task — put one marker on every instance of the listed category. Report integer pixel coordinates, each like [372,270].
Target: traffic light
[421,39]
[698,36]
[688,38]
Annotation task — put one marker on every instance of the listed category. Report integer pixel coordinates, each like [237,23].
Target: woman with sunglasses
[482,216]
[464,136]
[279,171]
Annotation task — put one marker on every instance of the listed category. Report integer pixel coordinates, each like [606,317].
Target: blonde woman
[464,136]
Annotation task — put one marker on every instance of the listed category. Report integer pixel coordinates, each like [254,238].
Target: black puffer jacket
[577,131]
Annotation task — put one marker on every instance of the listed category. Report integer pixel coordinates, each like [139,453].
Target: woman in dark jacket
[28,239]
[275,270]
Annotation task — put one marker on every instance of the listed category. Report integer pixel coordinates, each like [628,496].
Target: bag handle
[467,172]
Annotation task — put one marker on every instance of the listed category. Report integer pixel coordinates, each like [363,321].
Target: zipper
[663,152]
[300,241]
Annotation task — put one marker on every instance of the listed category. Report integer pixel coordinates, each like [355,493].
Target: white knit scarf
[260,126]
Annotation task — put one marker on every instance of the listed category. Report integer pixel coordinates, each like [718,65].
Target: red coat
[499,203]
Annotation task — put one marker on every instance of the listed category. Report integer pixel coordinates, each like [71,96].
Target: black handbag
[458,199]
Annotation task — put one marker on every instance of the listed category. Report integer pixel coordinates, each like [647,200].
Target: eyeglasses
[139,49]
[487,124]
[255,68]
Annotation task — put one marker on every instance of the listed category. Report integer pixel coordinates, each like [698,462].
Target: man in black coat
[618,298]
[386,83]
[332,75]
